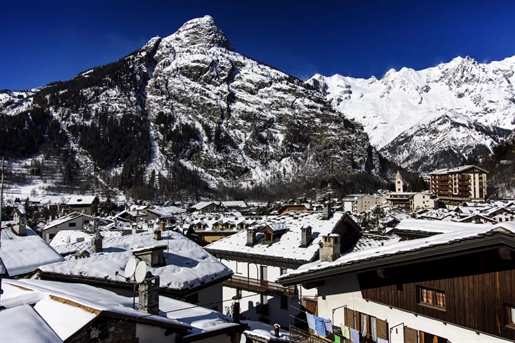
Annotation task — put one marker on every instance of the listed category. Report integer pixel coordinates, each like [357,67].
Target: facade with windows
[450,287]
[259,255]
[457,185]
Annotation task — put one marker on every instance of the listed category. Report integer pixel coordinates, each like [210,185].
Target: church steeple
[399,184]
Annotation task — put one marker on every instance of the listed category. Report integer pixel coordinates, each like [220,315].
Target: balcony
[259,286]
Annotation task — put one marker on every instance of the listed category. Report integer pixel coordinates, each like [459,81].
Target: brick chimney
[330,247]
[305,236]
[149,295]
[251,236]
[157,235]
[20,222]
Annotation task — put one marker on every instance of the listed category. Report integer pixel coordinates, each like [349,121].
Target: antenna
[141,272]
[130,267]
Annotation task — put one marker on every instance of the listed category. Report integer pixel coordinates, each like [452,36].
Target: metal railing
[259,286]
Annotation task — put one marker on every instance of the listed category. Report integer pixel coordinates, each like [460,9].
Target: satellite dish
[141,272]
[130,267]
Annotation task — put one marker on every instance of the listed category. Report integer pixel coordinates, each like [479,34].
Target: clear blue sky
[44,41]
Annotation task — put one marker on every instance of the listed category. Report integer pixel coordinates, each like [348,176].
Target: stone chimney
[20,221]
[327,211]
[153,255]
[330,247]
[251,236]
[305,236]
[157,235]
[149,295]
[96,242]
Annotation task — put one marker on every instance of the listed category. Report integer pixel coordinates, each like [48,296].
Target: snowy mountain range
[430,118]
[189,107]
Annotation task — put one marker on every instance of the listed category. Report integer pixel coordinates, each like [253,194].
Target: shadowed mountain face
[187,108]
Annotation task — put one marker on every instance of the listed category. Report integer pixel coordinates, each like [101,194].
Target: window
[192,298]
[72,224]
[510,316]
[284,271]
[431,297]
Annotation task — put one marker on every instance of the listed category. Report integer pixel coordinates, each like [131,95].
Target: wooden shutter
[349,318]
[410,335]
[382,328]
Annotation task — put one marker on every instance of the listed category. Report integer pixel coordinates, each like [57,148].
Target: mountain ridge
[189,107]
[401,100]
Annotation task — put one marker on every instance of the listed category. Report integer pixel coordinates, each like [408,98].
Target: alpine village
[189,193]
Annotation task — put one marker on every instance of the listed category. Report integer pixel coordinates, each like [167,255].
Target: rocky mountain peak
[200,32]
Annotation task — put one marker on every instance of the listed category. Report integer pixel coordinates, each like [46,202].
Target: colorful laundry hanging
[319,326]
[354,336]
[345,331]
[311,322]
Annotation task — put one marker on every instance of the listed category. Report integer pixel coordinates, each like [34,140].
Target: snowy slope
[462,89]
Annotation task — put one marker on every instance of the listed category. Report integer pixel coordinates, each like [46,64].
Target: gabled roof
[68,307]
[188,266]
[81,200]
[203,204]
[66,218]
[33,327]
[24,254]
[476,237]
[287,249]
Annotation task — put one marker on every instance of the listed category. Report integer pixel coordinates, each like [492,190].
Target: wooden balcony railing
[259,286]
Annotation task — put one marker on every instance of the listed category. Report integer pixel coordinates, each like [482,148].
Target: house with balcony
[275,246]
[455,186]
[87,204]
[411,291]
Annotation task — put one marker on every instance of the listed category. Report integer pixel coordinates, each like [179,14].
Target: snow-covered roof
[24,254]
[431,226]
[265,332]
[201,319]
[240,204]
[368,241]
[68,307]
[289,245]
[66,218]
[81,200]
[187,264]
[428,243]
[166,211]
[24,324]
[201,205]
[456,170]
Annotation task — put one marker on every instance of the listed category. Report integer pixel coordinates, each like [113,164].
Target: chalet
[186,270]
[77,313]
[457,185]
[403,200]
[271,248]
[83,204]
[74,221]
[412,291]
[206,207]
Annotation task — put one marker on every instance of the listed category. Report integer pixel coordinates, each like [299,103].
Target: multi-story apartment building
[457,185]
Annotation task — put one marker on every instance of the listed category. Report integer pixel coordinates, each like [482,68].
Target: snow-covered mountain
[189,104]
[461,106]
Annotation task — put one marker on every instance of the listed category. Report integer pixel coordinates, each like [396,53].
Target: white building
[262,253]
